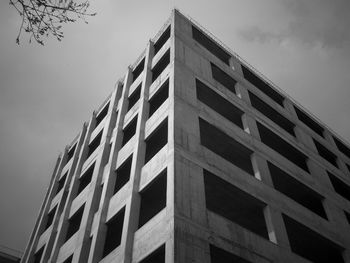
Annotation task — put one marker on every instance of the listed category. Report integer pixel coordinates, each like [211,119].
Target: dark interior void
[326,154]
[272,114]
[347,215]
[297,191]
[339,186]
[342,147]
[114,232]
[282,147]
[311,245]
[234,204]
[218,255]
[161,40]
[210,45]
[348,166]
[94,144]
[308,121]
[161,65]
[138,70]
[85,179]
[219,104]
[134,97]
[102,114]
[70,152]
[158,98]
[223,78]
[153,198]
[74,223]
[61,182]
[69,260]
[262,85]
[123,174]
[50,217]
[38,255]
[223,145]
[156,140]
[129,131]
[157,256]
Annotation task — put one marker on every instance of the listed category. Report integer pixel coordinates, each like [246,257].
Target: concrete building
[196,157]
[8,255]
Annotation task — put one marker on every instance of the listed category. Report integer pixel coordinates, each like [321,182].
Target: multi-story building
[196,157]
[8,255]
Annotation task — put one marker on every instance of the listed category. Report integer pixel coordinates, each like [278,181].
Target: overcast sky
[46,93]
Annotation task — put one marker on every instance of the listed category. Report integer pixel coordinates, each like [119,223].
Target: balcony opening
[114,232]
[153,198]
[70,152]
[339,186]
[342,147]
[311,245]
[49,218]
[157,256]
[219,104]
[74,223]
[102,114]
[308,121]
[157,140]
[85,179]
[218,255]
[276,143]
[162,40]
[347,215]
[262,86]
[230,202]
[223,145]
[138,70]
[134,97]
[326,154]
[161,65]
[61,183]
[272,114]
[297,191]
[38,255]
[94,144]
[210,45]
[69,259]
[158,98]
[223,78]
[122,174]
[129,131]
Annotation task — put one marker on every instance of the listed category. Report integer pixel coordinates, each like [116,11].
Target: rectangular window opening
[74,223]
[311,245]
[49,218]
[230,202]
[134,97]
[326,154]
[138,70]
[308,121]
[153,198]
[38,255]
[218,255]
[339,186]
[223,145]
[102,114]
[161,65]
[272,114]
[297,191]
[122,174]
[157,140]
[158,98]
[342,147]
[162,40]
[276,143]
[262,86]
[85,179]
[219,104]
[157,256]
[61,182]
[94,144]
[129,131]
[70,152]
[211,45]
[114,232]
[223,78]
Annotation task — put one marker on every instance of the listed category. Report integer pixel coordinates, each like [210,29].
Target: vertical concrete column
[289,107]
[319,174]
[276,228]
[305,138]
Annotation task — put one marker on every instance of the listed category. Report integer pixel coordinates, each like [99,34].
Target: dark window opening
[276,143]
[129,131]
[348,166]
[210,45]
[102,115]
[342,147]
[223,145]
[272,114]
[297,191]
[74,223]
[94,144]
[61,182]
[223,78]
[85,179]
[262,86]
[157,140]
[326,154]
[234,204]
[38,255]
[138,70]
[311,245]
[70,152]
[161,65]
[50,217]
[134,97]
[218,255]
[69,260]
[114,232]
[347,215]
[153,198]
[157,256]
[122,175]
[219,104]
[157,99]
[339,186]
[162,40]
[308,121]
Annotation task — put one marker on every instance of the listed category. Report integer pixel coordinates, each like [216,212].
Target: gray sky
[46,93]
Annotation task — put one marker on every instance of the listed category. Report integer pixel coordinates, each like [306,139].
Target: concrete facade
[163,172]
